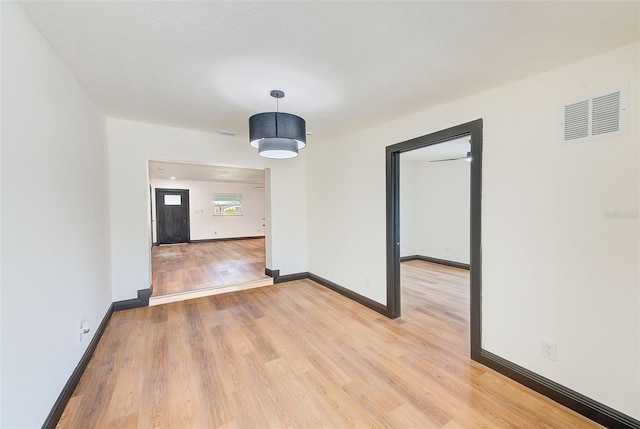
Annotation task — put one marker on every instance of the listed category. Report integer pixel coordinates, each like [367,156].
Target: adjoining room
[208,227]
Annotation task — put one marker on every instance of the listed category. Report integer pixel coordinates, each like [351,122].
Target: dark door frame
[185,195]
[472,129]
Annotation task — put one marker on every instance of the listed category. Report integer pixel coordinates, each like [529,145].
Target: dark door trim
[474,130]
[154,240]
[160,216]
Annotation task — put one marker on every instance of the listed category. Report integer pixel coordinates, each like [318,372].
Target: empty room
[313,214]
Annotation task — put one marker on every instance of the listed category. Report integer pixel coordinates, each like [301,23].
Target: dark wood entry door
[172,215]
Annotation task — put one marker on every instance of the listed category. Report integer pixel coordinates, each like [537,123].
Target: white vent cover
[601,115]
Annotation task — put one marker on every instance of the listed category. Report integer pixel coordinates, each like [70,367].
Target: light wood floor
[298,355]
[215,264]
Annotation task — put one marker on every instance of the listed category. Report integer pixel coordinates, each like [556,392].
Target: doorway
[224,211]
[472,130]
[172,212]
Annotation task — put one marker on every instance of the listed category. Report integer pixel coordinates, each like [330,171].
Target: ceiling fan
[467,157]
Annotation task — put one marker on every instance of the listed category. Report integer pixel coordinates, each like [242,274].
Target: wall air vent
[601,115]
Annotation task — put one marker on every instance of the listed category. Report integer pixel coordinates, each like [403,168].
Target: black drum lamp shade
[277,135]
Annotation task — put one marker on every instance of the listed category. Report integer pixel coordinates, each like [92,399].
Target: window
[172,200]
[227,204]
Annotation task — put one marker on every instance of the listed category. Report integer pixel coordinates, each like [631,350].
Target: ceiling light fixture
[468,157]
[275,134]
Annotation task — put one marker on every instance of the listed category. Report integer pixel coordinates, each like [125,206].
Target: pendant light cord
[277,111]
[277,94]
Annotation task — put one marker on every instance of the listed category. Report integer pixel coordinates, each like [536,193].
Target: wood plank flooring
[297,355]
[215,264]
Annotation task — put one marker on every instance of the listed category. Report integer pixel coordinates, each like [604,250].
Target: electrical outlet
[549,350]
[85,328]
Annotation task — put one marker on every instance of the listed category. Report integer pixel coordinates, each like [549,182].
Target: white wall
[554,266]
[409,218]
[203,224]
[132,144]
[55,228]
[434,209]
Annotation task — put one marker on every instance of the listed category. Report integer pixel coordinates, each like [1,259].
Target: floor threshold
[183,296]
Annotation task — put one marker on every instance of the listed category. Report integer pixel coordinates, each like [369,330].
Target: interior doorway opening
[209,227]
[472,132]
[434,203]
[434,237]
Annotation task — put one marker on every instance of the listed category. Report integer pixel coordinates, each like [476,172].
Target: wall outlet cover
[549,350]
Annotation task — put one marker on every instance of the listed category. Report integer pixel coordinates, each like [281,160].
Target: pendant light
[277,135]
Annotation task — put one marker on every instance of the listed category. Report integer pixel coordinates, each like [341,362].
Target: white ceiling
[344,65]
[204,173]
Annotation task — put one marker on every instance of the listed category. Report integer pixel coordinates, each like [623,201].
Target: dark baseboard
[435,261]
[141,301]
[208,240]
[360,299]
[290,277]
[277,278]
[579,403]
[67,390]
